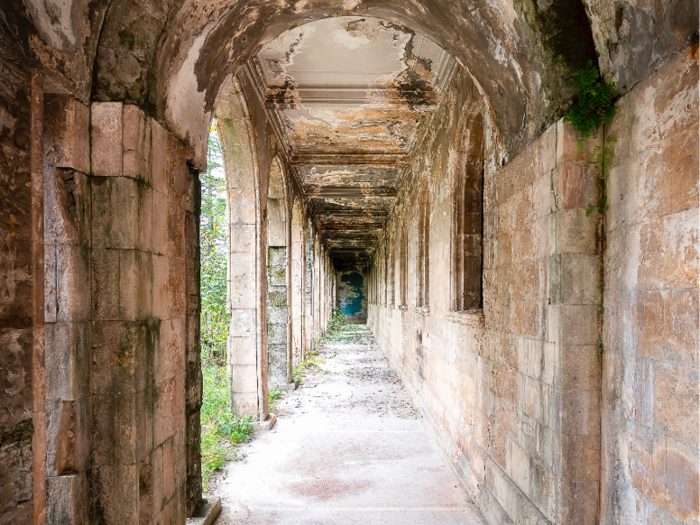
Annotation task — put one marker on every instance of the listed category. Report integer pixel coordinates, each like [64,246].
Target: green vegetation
[593,104]
[221,430]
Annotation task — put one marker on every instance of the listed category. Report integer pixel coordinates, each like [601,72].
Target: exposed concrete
[349,447]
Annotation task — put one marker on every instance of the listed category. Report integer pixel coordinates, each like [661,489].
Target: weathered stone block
[244,379]
[579,324]
[670,261]
[145,421]
[67,133]
[242,350]
[243,238]
[145,212]
[576,185]
[580,368]
[115,213]
[67,207]
[161,278]
[578,232]
[170,354]
[177,172]
[105,284]
[177,299]
[103,436]
[146,480]
[106,135]
[119,351]
[67,499]
[580,413]
[175,245]
[568,147]
[579,502]
[159,140]
[136,144]
[68,357]
[114,494]
[675,481]
[16,354]
[16,464]
[580,277]
[159,226]
[676,401]
[50,300]
[72,283]
[169,408]
[580,457]
[530,396]
[68,436]
[129,285]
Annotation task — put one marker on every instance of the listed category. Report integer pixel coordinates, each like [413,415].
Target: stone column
[573,324]
[309,288]
[141,197]
[67,307]
[243,288]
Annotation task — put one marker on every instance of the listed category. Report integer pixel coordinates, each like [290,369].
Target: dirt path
[349,447]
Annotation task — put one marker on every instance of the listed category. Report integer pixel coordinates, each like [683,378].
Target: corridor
[349,447]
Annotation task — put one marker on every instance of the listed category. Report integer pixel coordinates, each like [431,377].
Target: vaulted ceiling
[350,99]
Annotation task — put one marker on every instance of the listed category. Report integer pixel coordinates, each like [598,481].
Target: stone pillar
[573,324]
[298,271]
[67,307]
[141,199]
[309,288]
[243,228]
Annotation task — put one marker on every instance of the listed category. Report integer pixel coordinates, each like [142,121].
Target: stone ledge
[470,318]
[208,513]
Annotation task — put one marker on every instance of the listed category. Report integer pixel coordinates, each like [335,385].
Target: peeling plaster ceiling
[350,99]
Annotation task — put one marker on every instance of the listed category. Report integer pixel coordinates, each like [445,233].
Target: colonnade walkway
[349,447]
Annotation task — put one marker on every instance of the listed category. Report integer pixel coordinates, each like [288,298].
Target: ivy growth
[593,104]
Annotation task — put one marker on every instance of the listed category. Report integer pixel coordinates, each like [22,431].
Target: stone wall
[513,391]
[650,367]
[17,316]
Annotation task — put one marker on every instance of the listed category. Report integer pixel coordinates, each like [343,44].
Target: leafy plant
[221,430]
[593,104]
[274,395]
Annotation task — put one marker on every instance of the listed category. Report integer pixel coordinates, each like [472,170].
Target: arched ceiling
[174,57]
[350,99]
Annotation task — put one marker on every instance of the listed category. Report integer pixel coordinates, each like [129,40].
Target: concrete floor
[349,447]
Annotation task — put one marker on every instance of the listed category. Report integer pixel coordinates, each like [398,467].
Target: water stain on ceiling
[350,98]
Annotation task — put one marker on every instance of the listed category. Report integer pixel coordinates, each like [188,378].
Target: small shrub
[593,103]
[221,430]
